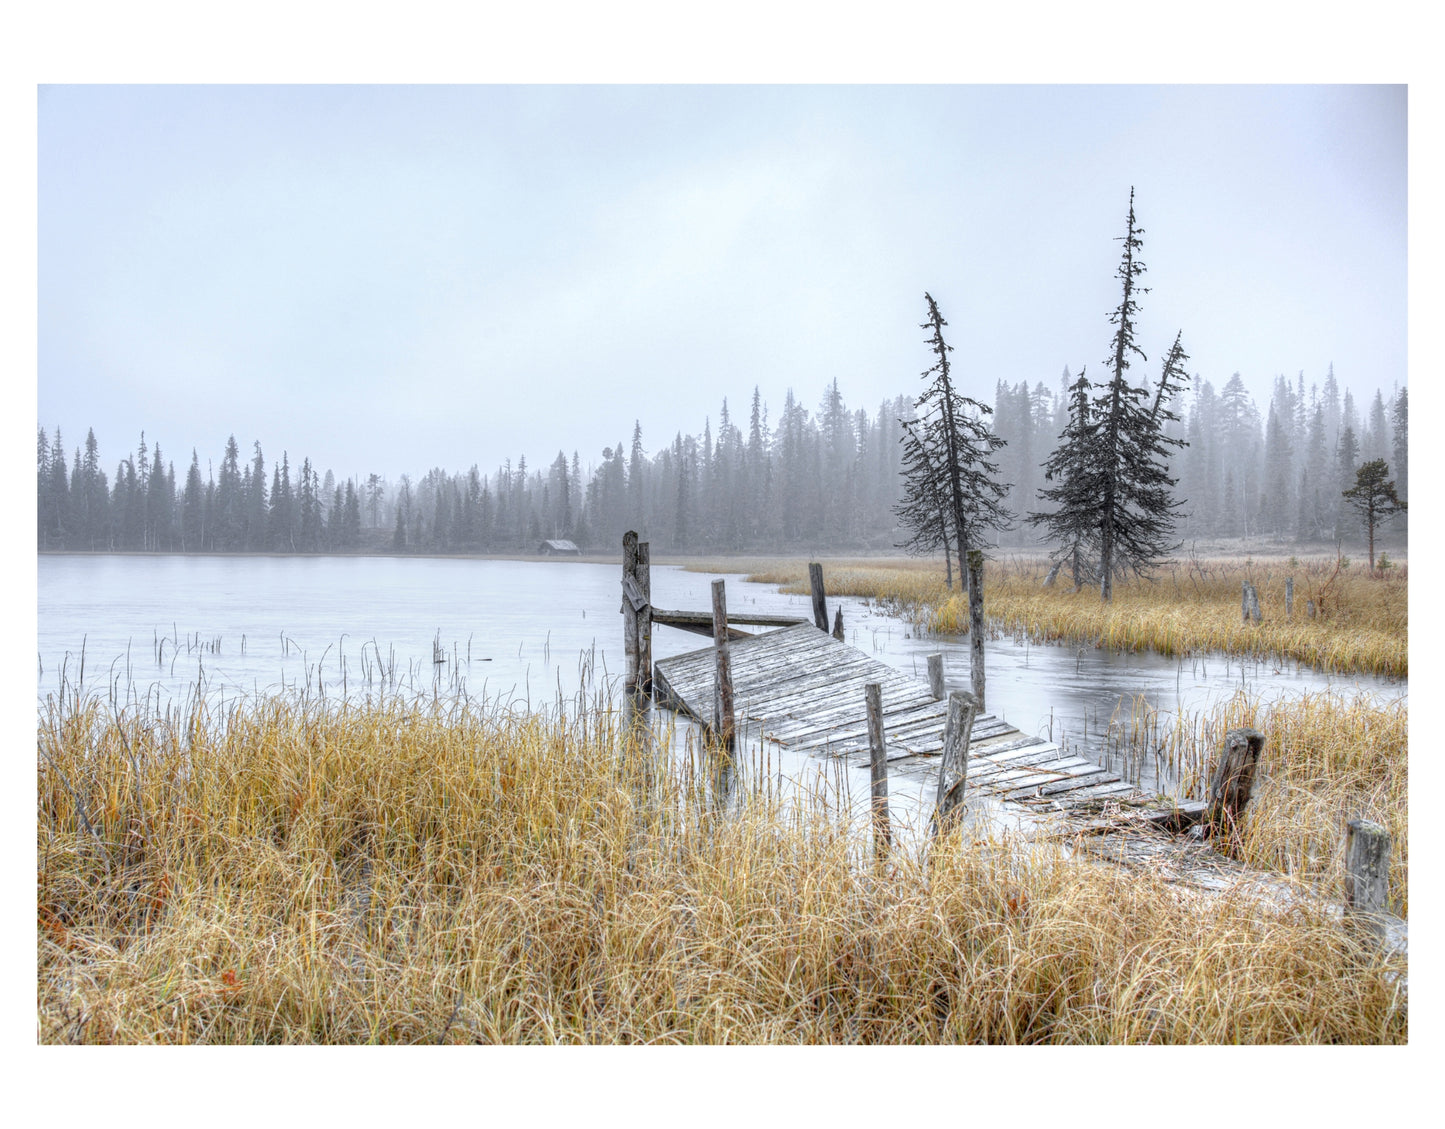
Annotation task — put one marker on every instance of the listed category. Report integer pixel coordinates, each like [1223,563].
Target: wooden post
[975,622]
[962,709]
[1233,779]
[631,593]
[1053,574]
[1289,597]
[723,720]
[878,761]
[935,676]
[1249,603]
[820,606]
[838,624]
[644,619]
[1367,873]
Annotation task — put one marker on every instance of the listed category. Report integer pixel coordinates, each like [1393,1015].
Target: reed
[1328,758]
[1191,606]
[423,872]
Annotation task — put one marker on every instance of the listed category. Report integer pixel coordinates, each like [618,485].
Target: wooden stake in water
[878,761]
[820,605]
[644,619]
[631,599]
[935,676]
[953,764]
[975,622]
[1367,873]
[838,625]
[723,719]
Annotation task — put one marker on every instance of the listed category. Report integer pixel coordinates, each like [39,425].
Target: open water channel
[529,635]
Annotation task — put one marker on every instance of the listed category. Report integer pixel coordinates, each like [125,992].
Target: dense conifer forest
[825,478]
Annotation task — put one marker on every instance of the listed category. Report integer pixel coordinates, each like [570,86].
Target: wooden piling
[1233,779]
[644,619]
[963,707]
[878,762]
[820,606]
[975,623]
[723,719]
[838,625]
[1289,597]
[1053,574]
[1249,603]
[631,597]
[935,676]
[1367,873]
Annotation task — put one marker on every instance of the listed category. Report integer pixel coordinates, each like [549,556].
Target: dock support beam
[644,619]
[935,676]
[820,606]
[631,597]
[723,719]
[953,764]
[637,616]
[975,622]
[878,764]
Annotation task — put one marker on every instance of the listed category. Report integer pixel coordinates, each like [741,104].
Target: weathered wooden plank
[1017,775]
[905,718]
[1065,781]
[1029,762]
[704,619]
[1071,792]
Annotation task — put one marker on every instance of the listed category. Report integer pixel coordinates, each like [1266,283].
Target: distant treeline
[811,480]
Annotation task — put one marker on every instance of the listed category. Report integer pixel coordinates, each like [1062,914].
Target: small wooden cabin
[558,549]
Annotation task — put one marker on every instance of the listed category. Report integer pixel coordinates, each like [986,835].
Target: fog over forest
[753,478]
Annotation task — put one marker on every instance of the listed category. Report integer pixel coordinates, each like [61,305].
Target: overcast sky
[393,278]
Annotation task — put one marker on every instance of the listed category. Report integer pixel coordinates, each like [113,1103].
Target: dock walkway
[804,690]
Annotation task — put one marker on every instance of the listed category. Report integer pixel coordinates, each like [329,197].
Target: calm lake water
[523,635]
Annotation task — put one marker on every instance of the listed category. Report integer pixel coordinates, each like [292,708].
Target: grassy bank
[1361,623]
[406,873]
[1328,758]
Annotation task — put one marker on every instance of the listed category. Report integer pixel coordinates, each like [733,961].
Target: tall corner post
[953,764]
[644,619]
[975,623]
[724,722]
[631,593]
[878,771]
[820,604]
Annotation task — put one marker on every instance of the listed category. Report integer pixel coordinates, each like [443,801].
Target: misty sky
[395,278]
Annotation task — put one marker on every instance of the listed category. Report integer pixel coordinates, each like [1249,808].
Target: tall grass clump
[426,872]
[1328,758]
[1360,624]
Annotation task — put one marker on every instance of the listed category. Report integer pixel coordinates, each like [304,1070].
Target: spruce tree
[1072,526]
[1138,510]
[959,442]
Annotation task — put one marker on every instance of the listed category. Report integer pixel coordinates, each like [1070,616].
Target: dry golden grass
[1191,606]
[1328,758]
[412,873]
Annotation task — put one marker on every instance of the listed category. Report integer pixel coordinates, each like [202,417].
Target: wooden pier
[805,690]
